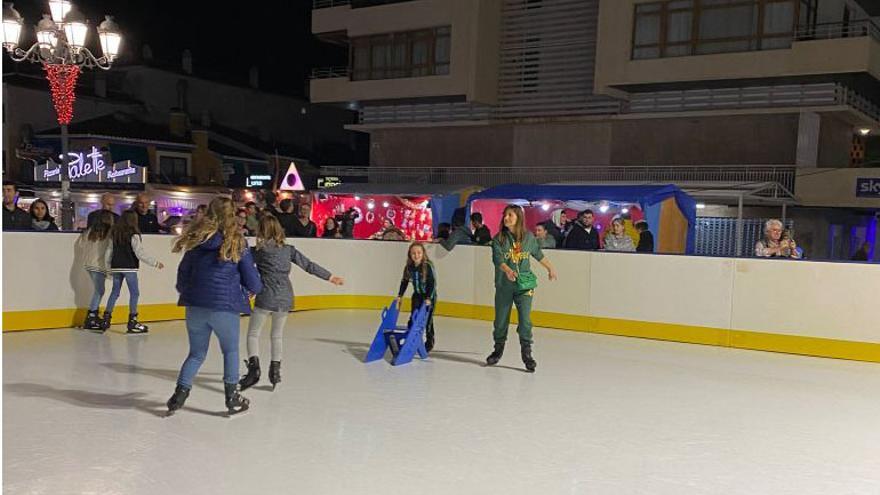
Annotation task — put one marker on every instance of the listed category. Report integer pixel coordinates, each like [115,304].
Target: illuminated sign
[292,180]
[258,180]
[91,167]
[867,188]
[328,182]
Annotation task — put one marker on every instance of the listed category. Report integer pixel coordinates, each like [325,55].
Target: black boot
[493,358]
[274,373]
[136,327]
[235,402]
[105,322]
[527,358]
[93,322]
[429,339]
[177,400]
[253,373]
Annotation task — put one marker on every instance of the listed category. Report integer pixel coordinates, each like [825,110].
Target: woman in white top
[617,240]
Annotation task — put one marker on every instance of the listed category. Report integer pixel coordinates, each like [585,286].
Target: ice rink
[602,415]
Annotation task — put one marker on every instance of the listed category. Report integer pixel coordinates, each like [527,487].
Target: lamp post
[61,50]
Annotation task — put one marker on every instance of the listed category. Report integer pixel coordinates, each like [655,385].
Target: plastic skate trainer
[404,342]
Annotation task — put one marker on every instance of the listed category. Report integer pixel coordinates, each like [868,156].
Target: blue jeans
[98,279]
[200,322]
[131,279]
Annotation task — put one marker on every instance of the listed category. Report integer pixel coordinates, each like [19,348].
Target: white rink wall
[804,299]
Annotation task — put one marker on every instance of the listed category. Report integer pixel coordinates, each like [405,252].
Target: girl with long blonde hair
[273,257]
[214,281]
[420,272]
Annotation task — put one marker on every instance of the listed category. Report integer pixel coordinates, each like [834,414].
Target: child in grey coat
[273,258]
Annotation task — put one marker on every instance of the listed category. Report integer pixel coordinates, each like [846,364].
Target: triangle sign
[292,181]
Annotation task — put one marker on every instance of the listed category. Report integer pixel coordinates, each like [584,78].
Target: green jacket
[504,252]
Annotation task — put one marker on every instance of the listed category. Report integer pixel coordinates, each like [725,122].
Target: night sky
[226,39]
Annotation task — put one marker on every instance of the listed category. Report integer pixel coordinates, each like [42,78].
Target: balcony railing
[537,174]
[330,72]
[835,30]
[323,4]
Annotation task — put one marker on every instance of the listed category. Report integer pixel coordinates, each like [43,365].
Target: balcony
[628,62]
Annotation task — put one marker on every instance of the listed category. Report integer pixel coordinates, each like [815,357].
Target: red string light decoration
[62,83]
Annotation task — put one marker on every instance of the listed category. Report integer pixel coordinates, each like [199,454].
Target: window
[173,168]
[674,28]
[410,54]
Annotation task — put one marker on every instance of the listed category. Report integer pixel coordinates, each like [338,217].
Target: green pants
[505,298]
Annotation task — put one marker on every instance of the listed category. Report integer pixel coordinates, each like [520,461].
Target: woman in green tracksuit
[515,283]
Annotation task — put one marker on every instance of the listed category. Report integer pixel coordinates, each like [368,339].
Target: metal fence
[717,236]
[836,30]
[537,174]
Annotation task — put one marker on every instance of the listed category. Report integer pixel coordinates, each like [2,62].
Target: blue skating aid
[404,342]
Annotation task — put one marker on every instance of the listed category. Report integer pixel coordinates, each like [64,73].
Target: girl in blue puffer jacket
[215,279]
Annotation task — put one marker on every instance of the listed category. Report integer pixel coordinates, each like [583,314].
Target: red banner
[409,214]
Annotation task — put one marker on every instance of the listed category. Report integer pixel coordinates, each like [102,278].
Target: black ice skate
[177,399]
[135,327]
[274,373]
[527,358]
[105,322]
[235,402]
[253,373]
[493,358]
[93,322]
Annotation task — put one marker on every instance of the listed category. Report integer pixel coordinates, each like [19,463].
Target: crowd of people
[560,232]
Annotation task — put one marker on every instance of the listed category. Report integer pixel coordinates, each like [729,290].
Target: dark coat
[203,280]
[579,239]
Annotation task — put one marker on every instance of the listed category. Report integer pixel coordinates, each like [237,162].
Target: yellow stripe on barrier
[739,339]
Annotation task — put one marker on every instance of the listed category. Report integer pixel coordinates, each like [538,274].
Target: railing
[493,176]
[330,72]
[428,112]
[835,30]
[323,4]
[860,103]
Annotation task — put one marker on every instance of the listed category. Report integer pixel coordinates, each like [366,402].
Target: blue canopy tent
[665,207]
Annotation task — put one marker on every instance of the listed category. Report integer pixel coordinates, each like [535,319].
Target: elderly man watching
[108,203]
[148,223]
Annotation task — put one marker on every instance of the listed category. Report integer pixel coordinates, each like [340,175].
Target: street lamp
[61,50]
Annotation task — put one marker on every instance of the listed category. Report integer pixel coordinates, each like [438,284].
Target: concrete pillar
[808,139]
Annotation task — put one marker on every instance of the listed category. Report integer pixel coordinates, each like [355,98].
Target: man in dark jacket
[646,238]
[482,236]
[148,223]
[303,226]
[459,235]
[583,236]
[108,202]
[14,218]
[287,218]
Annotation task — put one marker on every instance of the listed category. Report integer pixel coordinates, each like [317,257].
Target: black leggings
[417,302]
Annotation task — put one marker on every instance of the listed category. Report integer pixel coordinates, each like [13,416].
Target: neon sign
[91,167]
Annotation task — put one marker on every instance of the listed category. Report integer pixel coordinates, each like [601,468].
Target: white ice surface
[603,415]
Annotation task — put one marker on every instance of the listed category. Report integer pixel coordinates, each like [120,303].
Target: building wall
[33,107]
[769,139]
[562,144]
[473,72]
[614,65]
[442,146]
[835,142]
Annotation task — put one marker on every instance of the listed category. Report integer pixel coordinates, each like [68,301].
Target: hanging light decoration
[62,83]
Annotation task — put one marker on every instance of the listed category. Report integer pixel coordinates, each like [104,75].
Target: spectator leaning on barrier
[646,238]
[331,229]
[481,234]
[773,245]
[583,236]
[545,240]
[40,218]
[617,240]
[459,235]
[148,223]
[443,231]
[303,226]
[14,218]
[286,217]
[108,203]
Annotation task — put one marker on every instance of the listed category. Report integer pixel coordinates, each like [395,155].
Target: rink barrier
[736,339]
[808,308]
